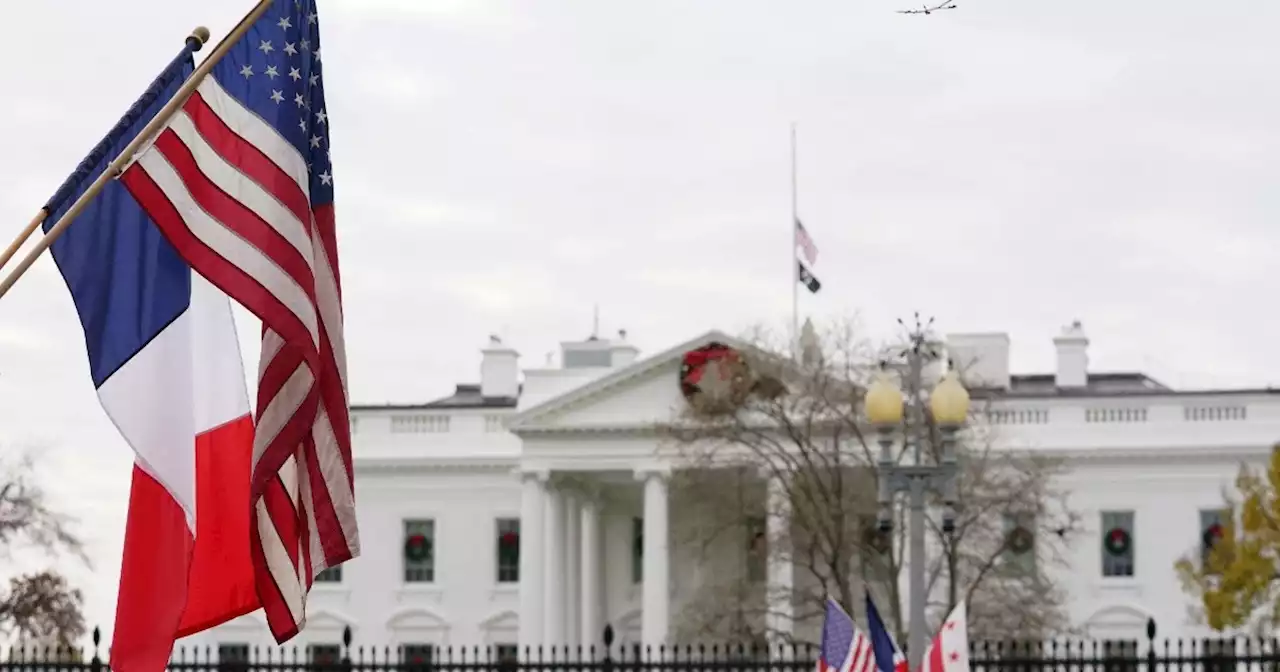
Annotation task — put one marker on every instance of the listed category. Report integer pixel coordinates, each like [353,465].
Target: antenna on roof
[595,322]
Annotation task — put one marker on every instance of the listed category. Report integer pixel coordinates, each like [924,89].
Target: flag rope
[144,136]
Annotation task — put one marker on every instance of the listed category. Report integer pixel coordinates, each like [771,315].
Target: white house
[534,509]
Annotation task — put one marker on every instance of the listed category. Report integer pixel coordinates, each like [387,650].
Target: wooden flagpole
[145,135]
[23,235]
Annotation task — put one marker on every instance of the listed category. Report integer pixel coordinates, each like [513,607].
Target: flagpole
[795,264]
[23,235]
[151,129]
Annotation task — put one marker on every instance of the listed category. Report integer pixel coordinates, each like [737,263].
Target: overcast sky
[501,167]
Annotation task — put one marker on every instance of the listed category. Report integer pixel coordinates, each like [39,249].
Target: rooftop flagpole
[791,256]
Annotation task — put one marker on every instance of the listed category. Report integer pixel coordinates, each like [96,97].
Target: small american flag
[805,243]
[241,185]
[844,647]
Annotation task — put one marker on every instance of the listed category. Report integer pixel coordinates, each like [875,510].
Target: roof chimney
[981,359]
[624,353]
[499,370]
[1073,357]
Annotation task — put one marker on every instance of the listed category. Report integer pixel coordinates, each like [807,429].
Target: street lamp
[949,406]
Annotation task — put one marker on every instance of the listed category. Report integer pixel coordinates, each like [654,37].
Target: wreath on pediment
[715,379]
[1020,540]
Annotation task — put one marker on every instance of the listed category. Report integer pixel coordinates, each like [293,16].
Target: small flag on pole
[844,647]
[805,243]
[949,650]
[889,657]
[807,278]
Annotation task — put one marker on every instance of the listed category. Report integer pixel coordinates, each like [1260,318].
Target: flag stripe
[284,298]
[208,147]
[256,132]
[252,161]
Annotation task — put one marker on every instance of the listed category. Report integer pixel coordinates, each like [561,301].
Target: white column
[655,597]
[592,603]
[532,548]
[780,573]
[573,572]
[553,594]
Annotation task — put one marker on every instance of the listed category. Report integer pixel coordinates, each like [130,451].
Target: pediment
[639,395]
[417,618]
[503,620]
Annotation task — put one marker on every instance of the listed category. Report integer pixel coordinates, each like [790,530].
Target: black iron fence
[1148,655]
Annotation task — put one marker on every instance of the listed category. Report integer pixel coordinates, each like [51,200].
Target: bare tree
[800,426]
[41,606]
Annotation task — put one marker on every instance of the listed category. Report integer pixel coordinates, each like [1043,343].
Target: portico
[595,479]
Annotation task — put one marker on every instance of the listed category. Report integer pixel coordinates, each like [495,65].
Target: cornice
[394,464]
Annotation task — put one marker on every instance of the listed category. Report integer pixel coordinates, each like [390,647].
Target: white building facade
[535,509]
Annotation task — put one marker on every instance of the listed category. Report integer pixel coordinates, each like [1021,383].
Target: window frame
[505,574]
[1113,567]
[331,576]
[420,571]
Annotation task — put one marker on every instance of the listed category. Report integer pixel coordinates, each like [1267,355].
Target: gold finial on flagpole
[201,34]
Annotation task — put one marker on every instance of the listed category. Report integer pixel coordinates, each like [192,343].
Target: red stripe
[248,158]
[234,215]
[226,276]
[221,583]
[283,516]
[935,654]
[153,577]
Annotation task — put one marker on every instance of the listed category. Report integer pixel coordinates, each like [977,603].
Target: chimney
[623,352]
[1073,356]
[499,370]
[982,360]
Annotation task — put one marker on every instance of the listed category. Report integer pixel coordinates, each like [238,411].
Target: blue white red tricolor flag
[844,647]
[234,198]
[949,650]
[889,657]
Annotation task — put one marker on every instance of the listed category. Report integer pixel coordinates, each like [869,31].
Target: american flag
[805,243]
[241,184]
[844,647]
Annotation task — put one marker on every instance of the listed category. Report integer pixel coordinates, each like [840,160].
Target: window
[417,656]
[324,654]
[1212,526]
[1219,655]
[508,550]
[757,550]
[1117,543]
[506,655]
[419,551]
[331,575]
[1019,554]
[233,657]
[1120,655]
[637,550]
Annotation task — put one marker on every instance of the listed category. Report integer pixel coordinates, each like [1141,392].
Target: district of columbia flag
[165,361]
[240,184]
[844,647]
[805,244]
[889,657]
[949,650]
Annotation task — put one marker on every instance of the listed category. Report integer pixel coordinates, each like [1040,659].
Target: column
[655,597]
[779,584]
[532,547]
[592,602]
[554,575]
[573,573]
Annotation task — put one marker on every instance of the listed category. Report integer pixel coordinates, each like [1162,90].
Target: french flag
[889,657]
[165,360]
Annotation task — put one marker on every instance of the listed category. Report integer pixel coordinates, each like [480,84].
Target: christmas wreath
[1212,535]
[714,378]
[1020,540]
[417,548]
[1117,541]
[509,545]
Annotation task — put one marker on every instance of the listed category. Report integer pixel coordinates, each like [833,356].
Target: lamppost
[949,407]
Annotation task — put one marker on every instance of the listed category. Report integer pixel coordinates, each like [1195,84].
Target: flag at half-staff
[224,191]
